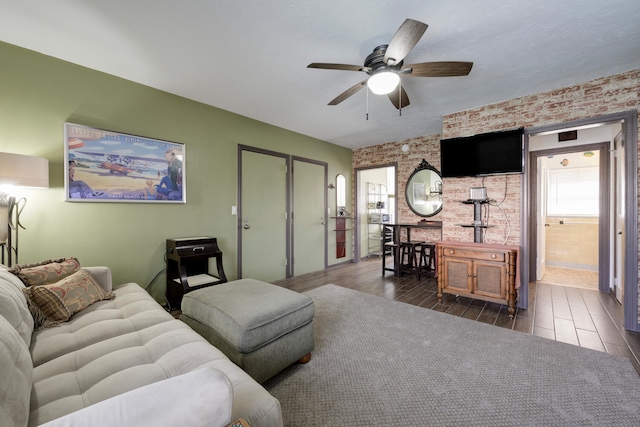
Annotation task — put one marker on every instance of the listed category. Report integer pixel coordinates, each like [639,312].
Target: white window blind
[573,192]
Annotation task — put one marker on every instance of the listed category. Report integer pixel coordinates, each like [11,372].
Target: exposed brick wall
[597,97]
[427,148]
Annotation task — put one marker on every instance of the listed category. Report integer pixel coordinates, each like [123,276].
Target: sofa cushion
[120,364]
[46,272]
[13,305]
[16,373]
[132,310]
[58,301]
[210,403]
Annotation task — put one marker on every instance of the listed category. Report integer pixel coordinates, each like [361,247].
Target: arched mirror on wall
[424,190]
[341,195]
[341,216]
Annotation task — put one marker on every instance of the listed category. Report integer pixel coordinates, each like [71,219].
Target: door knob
[246,226]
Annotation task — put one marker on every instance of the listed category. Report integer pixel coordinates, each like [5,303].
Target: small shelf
[477,218]
[199,280]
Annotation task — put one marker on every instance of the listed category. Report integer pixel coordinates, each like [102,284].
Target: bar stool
[408,258]
[426,257]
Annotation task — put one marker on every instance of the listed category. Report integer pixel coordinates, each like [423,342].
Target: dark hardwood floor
[576,316]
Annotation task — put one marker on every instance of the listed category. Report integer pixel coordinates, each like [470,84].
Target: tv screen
[485,154]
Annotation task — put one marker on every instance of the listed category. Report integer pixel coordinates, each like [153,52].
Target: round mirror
[424,190]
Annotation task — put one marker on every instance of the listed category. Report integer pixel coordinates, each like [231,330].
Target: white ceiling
[250,56]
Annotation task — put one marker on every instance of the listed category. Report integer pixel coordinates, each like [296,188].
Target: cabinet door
[490,279]
[457,275]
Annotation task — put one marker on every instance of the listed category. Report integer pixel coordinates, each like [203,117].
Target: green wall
[39,93]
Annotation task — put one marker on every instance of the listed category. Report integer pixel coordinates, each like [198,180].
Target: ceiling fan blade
[346,67]
[399,98]
[347,93]
[404,40]
[437,69]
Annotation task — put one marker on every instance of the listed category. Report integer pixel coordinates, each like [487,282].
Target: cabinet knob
[493,256]
[451,252]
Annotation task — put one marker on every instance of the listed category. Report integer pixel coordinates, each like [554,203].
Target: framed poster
[106,166]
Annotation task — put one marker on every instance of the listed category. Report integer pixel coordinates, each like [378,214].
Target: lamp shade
[383,83]
[24,171]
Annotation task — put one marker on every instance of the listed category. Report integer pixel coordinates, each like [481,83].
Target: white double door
[282,224]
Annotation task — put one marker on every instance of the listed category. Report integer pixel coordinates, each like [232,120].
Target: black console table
[188,267]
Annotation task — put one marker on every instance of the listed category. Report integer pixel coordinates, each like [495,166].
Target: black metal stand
[477,219]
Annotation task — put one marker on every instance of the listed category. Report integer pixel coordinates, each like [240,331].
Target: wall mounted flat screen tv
[485,154]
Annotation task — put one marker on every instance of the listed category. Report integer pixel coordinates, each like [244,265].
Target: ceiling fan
[385,66]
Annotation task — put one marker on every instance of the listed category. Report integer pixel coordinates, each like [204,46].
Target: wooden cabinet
[486,272]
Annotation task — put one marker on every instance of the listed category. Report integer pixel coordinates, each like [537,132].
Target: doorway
[263,215]
[282,227]
[623,248]
[376,204]
[309,218]
[570,188]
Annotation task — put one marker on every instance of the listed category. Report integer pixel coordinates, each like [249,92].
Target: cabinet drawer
[473,254]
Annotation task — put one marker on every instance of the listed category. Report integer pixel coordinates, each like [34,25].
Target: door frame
[325,165]
[358,198]
[604,217]
[287,159]
[629,120]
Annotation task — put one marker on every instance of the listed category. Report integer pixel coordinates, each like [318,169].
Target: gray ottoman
[262,328]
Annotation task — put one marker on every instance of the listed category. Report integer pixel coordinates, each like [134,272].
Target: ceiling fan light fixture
[383,83]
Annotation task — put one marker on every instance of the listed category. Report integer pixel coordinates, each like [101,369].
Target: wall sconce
[17,170]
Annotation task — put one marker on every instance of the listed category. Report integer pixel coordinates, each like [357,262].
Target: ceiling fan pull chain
[367,103]
[400,98]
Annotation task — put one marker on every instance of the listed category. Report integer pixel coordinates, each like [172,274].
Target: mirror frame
[424,166]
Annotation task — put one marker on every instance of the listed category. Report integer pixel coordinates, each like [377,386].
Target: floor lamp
[17,170]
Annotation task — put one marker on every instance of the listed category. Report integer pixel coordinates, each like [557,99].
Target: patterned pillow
[46,272]
[57,302]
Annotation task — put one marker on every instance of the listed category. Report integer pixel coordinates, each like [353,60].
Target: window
[573,192]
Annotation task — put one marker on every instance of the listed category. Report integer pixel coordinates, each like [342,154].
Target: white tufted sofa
[120,362]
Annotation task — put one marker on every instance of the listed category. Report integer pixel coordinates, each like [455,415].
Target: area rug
[379,362]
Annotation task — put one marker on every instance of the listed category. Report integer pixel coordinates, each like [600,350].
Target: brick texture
[594,98]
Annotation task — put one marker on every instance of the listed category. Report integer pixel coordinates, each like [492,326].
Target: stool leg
[432,259]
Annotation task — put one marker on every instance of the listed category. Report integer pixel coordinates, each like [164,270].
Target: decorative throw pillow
[57,302]
[46,272]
